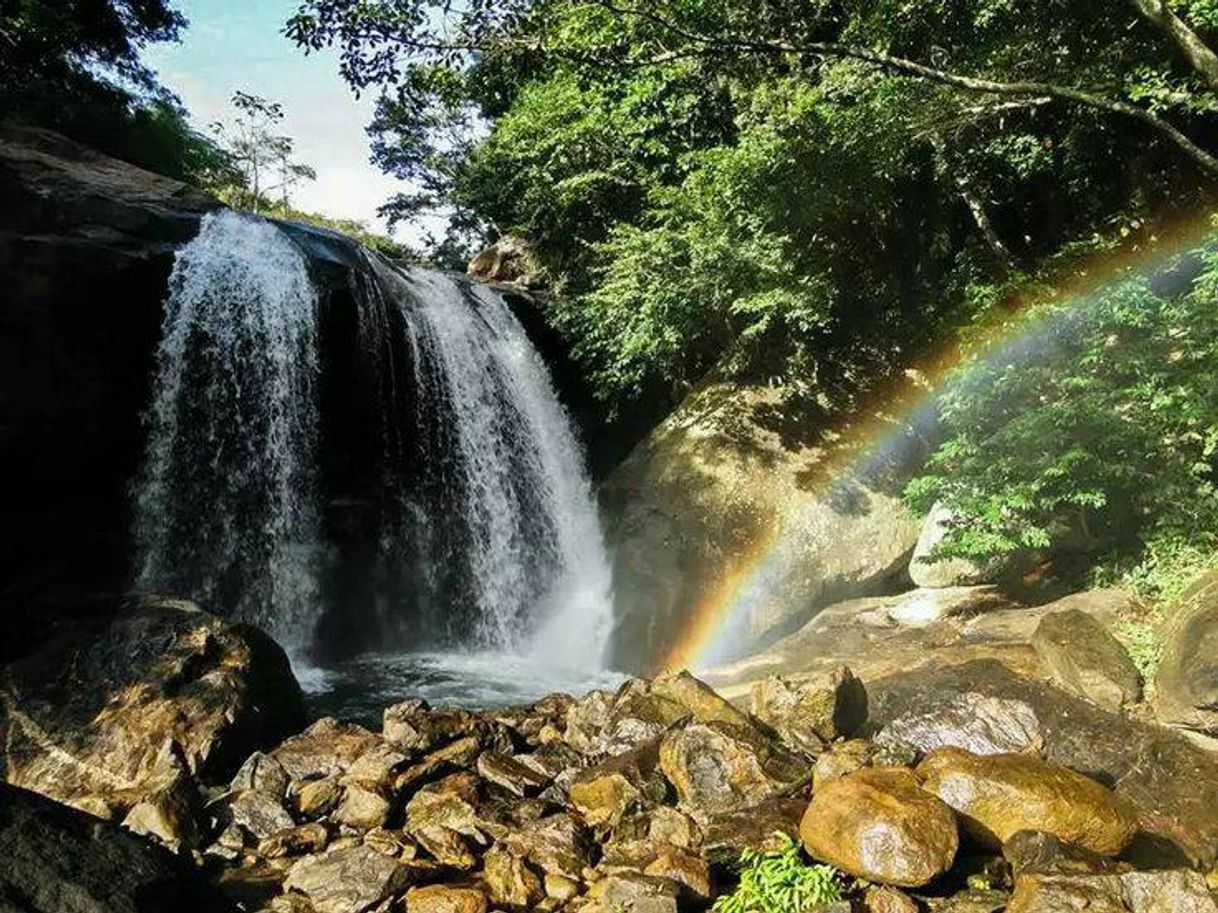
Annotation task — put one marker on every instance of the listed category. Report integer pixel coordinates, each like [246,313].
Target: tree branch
[1189,43]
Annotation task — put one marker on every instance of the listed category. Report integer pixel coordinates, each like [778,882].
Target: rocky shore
[966,788]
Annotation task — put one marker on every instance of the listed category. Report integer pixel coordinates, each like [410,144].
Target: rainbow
[717,623]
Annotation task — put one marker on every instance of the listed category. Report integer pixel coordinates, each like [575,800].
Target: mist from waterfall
[226,508]
[461,521]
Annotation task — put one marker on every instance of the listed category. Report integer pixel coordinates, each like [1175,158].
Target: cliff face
[742,516]
[86,244]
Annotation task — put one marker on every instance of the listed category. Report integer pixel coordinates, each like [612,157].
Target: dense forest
[814,193]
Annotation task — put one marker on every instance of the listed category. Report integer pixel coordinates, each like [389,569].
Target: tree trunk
[1196,51]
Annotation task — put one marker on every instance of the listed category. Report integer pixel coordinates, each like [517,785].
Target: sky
[238,44]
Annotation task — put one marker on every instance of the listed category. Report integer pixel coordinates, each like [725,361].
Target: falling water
[225,507]
[505,513]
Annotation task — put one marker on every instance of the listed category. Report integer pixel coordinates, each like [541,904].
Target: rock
[167,814]
[54,859]
[842,759]
[1186,683]
[972,721]
[257,813]
[877,824]
[348,879]
[682,867]
[943,572]
[440,898]
[697,699]
[810,713]
[715,767]
[391,843]
[605,793]
[1042,853]
[263,773]
[730,472]
[635,893]
[1085,659]
[451,757]
[924,607]
[510,259]
[888,900]
[999,795]
[306,839]
[375,768]
[560,888]
[510,774]
[728,833]
[555,844]
[449,803]
[318,797]
[361,809]
[326,749]
[509,881]
[109,710]
[1176,891]
[1172,783]
[447,847]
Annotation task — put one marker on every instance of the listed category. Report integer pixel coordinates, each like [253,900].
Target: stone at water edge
[999,795]
[326,749]
[809,713]
[1084,658]
[108,710]
[879,825]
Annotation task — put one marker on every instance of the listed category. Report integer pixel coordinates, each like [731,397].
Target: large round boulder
[879,825]
[113,712]
[1084,658]
[997,796]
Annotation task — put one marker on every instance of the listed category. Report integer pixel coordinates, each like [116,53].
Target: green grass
[780,882]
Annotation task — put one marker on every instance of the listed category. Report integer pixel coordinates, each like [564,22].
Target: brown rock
[888,900]
[263,773]
[683,867]
[998,795]
[842,759]
[307,839]
[448,803]
[348,879]
[452,757]
[975,722]
[1085,659]
[447,847]
[1067,894]
[361,809]
[879,825]
[327,748]
[1177,891]
[510,774]
[375,768]
[257,813]
[442,898]
[810,713]
[726,834]
[318,797]
[636,893]
[509,881]
[715,767]
[391,843]
[1040,853]
[509,259]
[1186,683]
[606,792]
[555,844]
[166,813]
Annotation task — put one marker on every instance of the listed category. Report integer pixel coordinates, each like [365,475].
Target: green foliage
[1141,641]
[780,882]
[1099,415]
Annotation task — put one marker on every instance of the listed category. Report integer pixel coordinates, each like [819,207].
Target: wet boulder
[111,710]
[1085,659]
[975,722]
[879,825]
[998,795]
[716,767]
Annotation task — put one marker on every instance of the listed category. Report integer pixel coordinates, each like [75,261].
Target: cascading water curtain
[226,505]
[507,519]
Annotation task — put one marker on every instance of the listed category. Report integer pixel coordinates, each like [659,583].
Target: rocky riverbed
[966,788]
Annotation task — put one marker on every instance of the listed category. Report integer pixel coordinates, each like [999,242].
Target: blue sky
[238,44]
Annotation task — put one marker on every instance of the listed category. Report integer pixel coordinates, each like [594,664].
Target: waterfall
[225,508]
[458,514]
[505,510]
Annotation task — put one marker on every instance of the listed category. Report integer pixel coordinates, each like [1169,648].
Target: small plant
[780,882]
[1141,642]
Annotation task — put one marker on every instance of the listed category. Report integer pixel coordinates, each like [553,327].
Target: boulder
[923,607]
[877,824]
[1186,684]
[716,767]
[510,259]
[1084,658]
[361,809]
[972,721]
[998,795]
[54,859]
[930,572]
[605,793]
[888,900]
[635,892]
[810,713]
[509,880]
[441,898]
[1177,891]
[734,473]
[304,840]
[757,827]
[556,844]
[109,711]
[256,813]
[326,749]
[347,879]
[1172,783]
[1042,853]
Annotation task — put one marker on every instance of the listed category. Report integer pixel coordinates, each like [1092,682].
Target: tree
[263,157]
